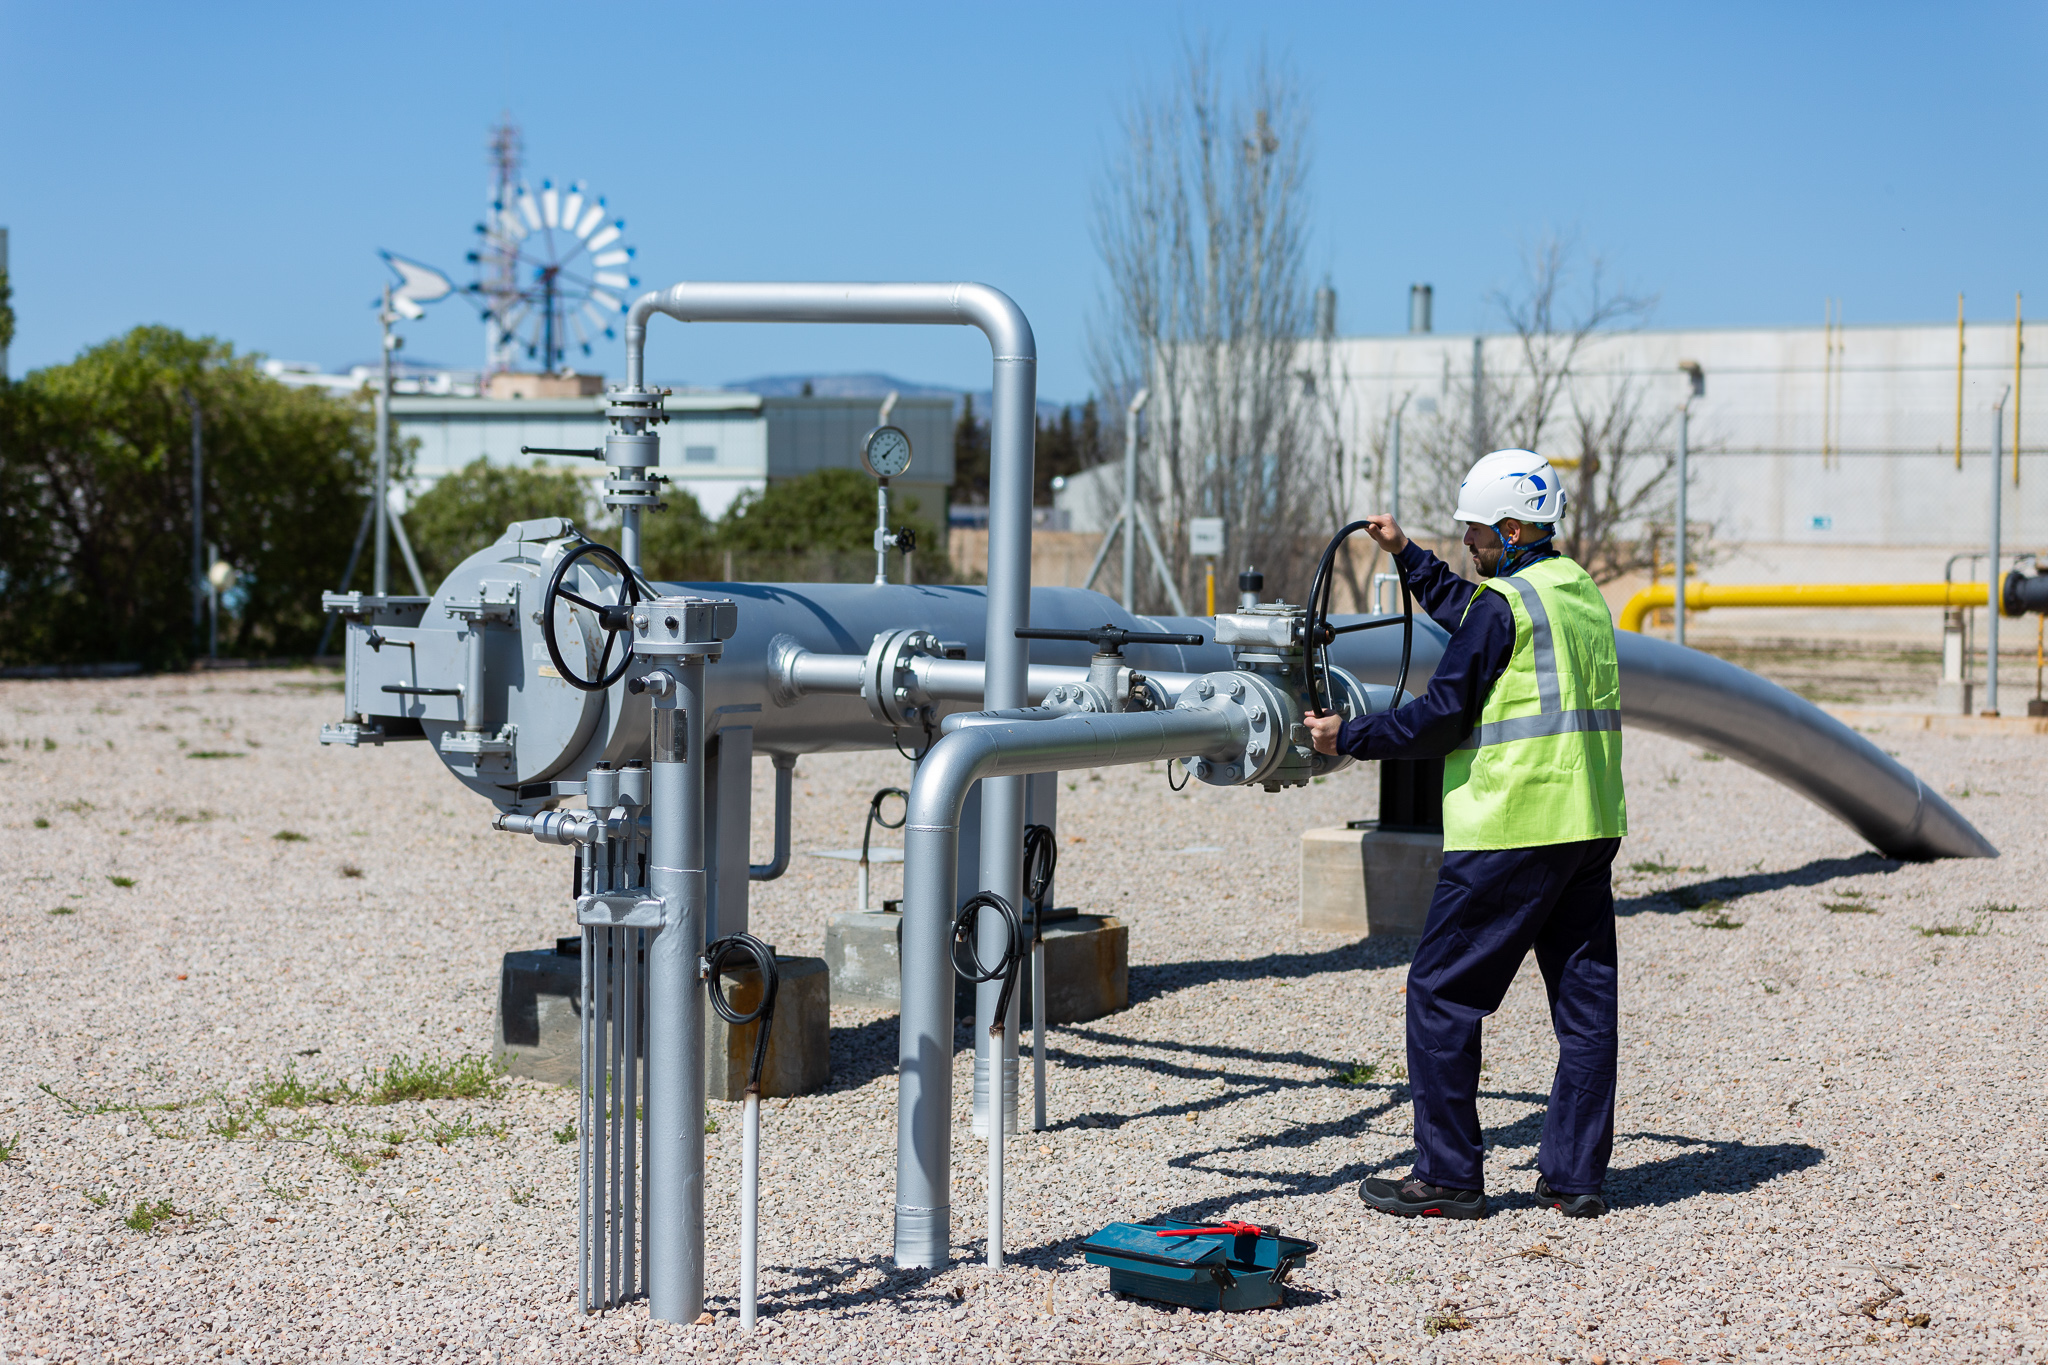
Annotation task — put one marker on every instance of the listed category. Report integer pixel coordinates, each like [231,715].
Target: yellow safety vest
[1543,765]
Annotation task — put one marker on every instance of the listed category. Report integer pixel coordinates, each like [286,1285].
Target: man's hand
[1386,533]
[1323,728]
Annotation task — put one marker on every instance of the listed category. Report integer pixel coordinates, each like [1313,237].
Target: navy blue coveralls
[1490,908]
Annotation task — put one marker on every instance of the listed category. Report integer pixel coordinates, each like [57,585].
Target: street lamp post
[1698,379]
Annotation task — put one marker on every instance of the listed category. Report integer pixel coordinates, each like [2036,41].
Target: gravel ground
[1831,1087]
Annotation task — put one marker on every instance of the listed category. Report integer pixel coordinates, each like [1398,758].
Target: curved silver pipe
[931,853]
[785,782]
[1013,433]
[1706,701]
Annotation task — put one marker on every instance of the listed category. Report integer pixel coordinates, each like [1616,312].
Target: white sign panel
[1205,535]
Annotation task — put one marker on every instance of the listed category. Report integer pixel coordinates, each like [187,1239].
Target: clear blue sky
[232,169]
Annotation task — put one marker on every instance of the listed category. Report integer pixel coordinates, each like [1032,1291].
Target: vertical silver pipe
[995,1195]
[1992,583]
[629,536]
[1678,570]
[621,1103]
[586,1208]
[629,1162]
[926,1020]
[750,1208]
[601,1141]
[881,530]
[674,1249]
[1130,525]
[381,577]
[924,1099]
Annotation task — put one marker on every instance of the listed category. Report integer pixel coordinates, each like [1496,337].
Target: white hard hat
[1511,483]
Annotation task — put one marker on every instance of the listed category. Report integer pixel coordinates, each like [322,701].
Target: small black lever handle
[1111,639]
[557,450]
[422,691]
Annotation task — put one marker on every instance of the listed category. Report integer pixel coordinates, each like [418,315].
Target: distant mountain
[875,386]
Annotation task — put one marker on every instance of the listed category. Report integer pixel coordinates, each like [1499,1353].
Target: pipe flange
[1269,717]
[1074,697]
[783,652]
[889,685]
[635,404]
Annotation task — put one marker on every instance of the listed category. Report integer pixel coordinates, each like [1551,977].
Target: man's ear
[1512,529]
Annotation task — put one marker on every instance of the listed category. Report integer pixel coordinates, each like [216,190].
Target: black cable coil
[1041,857]
[965,925]
[715,959]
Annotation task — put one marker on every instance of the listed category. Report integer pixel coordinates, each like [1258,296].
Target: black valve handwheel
[614,618]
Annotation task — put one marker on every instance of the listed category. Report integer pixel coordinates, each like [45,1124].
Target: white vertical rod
[750,1207]
[1038,1123]
[1678,597]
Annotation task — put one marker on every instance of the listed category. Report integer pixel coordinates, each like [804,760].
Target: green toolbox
[1230,1266]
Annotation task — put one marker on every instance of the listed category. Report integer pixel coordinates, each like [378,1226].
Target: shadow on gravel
[1677,899]
[1706,1167]
[862,1053]
[1152,980]
[816,1287]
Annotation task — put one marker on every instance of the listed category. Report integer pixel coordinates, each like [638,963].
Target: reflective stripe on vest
[1543,765]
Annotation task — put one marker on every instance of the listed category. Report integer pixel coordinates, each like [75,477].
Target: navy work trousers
[1491,907]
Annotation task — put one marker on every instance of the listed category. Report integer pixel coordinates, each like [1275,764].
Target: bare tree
[1200,224]
[1609,432]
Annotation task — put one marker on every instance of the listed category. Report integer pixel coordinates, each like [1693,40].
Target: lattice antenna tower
[498,274]
[551,270]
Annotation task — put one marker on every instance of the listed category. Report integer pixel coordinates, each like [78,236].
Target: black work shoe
[1572,1205]
[1413,1198]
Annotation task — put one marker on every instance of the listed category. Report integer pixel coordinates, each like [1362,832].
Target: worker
[1524,709]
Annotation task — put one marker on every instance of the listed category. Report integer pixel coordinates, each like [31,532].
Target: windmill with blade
[551,267]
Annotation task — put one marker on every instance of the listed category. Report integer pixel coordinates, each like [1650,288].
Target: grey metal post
[381,556]
[1991,583]
[198,519]
[1678,571]
[1479,436]
[1130,524]
[1394,476]
[674,1221]
[931,850]
[212,610]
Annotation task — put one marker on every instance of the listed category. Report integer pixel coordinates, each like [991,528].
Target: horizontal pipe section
[1728,710]
[931,852]
[1701,596]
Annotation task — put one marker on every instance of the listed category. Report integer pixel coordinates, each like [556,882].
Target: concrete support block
[799,1057]
[1087,966]
[1368,881]
[539,1034]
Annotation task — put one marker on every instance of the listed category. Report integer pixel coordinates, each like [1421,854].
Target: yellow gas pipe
[1701,596]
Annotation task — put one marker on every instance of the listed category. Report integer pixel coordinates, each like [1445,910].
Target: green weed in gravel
[148,1216]
[1714,915]
[566,1134]
[125,883]
[1359,1073]
[215,753]
[291,1091]
[289,836]
[9,1147]
[473,1076]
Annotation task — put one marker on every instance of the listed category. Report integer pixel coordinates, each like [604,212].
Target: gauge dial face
[886,452]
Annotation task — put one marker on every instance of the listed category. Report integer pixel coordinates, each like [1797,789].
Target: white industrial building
[1819,454]
[718,443]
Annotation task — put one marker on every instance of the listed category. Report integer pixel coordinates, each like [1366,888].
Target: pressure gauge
[886,452]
